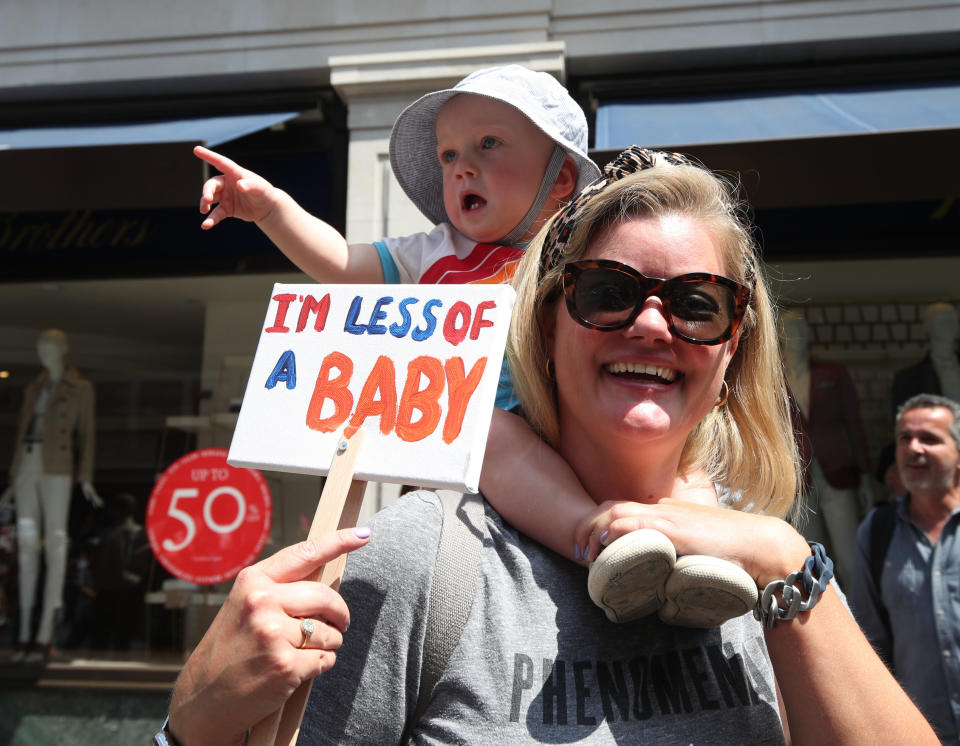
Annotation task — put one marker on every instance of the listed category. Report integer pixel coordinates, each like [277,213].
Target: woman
[630,389]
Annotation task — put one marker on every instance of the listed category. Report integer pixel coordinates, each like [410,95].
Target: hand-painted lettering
[382,379]
[283,303]
[284,370]
[311,305]
[478,321]
[457,323]
[419,334]
[378,315]
[459,390]
[400,330]
[333,388]
[350,324]
[426,400]
[417,413]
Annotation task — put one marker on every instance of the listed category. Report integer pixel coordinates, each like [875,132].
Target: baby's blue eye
[447,156]
[489,142]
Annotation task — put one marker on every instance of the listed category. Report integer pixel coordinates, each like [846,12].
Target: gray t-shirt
[537,662]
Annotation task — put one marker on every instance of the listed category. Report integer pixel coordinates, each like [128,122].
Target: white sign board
[415,366]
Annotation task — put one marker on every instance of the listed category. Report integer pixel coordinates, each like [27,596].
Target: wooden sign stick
[338,508]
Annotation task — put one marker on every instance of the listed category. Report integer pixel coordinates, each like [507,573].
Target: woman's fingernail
[361,532]
[586,553]
[576,551]
[603,537]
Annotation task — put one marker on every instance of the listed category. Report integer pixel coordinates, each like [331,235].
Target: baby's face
[493,160]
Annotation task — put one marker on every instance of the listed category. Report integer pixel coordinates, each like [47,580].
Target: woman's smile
[642,372]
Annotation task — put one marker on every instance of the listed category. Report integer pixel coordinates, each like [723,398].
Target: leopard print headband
[629,161]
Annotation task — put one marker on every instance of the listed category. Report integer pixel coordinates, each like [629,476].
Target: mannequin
[838,477]
[54,443]
[939,371]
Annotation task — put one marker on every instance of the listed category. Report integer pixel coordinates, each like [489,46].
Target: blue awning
[776,116]
[210,131]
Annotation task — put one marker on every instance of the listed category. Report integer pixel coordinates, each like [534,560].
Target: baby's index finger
[219,162]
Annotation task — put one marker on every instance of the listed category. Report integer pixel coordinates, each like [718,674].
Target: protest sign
[415,366]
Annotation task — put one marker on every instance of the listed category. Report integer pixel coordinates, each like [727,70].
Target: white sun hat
[537,95]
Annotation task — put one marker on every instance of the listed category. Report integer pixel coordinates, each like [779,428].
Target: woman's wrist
[170,735]
[784,552]
[799,591]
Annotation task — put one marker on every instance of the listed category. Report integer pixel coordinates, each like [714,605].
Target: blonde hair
[747,445]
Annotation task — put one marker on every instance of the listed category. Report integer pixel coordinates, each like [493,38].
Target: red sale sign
[206,520]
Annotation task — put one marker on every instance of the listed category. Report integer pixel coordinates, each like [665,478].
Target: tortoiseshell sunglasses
[700,308]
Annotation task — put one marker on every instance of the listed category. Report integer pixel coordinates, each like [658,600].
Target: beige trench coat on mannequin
[68,427]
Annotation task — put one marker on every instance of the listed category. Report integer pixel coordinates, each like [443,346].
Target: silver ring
[306,629]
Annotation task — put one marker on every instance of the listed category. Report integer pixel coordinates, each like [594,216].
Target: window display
[168,360]
[55,441]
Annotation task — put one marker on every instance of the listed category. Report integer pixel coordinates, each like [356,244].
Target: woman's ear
[566,180]
[732,344]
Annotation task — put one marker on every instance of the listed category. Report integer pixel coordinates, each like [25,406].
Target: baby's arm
[314,246]
[533,487]
[613,518]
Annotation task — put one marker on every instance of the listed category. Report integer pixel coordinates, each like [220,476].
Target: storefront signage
[127,243]
[206,520]
[416,366]
[85,242]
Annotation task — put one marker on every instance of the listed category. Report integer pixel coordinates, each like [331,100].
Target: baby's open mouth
[473,202]
[642,372]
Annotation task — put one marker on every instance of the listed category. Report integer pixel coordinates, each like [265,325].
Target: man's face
[927,456]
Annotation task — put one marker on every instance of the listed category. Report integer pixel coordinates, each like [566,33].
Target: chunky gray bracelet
[164,737]
[814,575]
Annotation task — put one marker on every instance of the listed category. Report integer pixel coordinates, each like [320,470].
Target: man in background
[906,588]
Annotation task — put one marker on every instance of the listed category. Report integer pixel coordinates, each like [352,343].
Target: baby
[488,161]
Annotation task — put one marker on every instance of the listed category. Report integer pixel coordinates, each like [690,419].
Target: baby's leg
[693,591]
[532,486]
[705,591]
[537,492]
